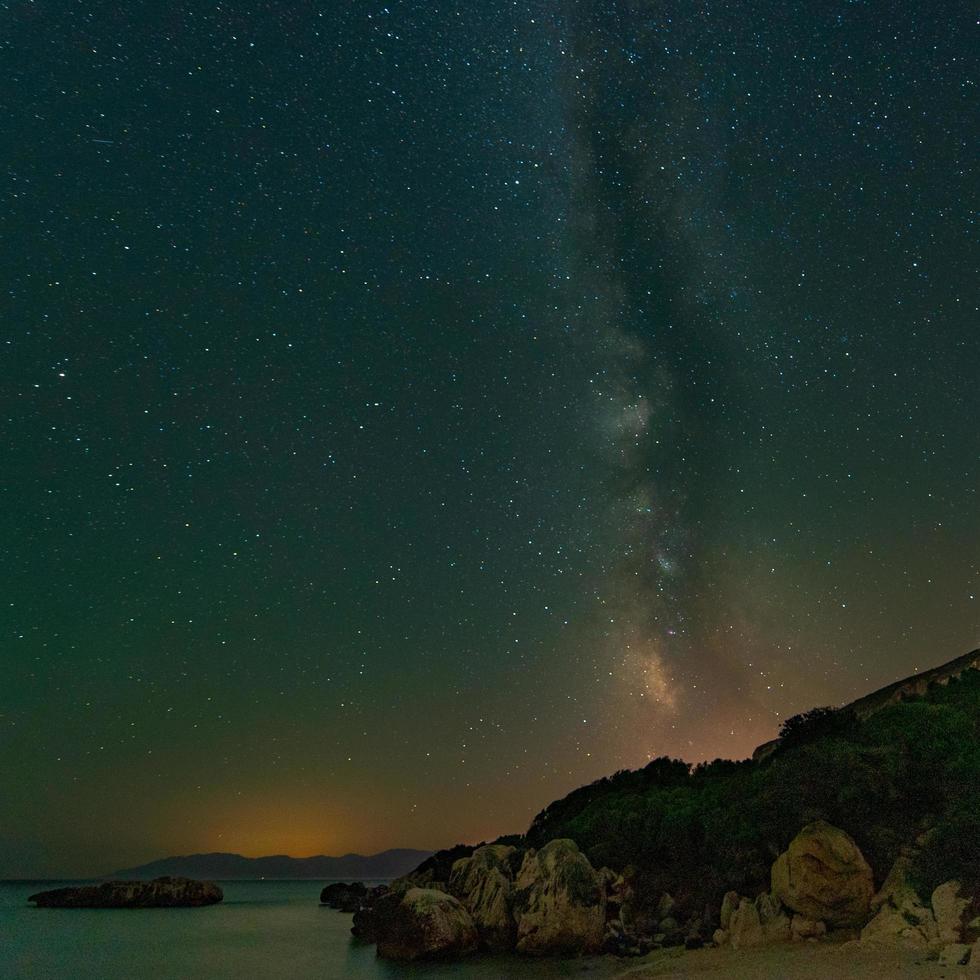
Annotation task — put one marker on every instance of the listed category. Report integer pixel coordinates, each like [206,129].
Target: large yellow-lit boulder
[484,883]
[423,923]
[823,875]
[559,902]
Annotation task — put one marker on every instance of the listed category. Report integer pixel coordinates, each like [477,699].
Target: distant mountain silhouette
[387,864]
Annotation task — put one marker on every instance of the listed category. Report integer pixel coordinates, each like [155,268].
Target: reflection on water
[263,929]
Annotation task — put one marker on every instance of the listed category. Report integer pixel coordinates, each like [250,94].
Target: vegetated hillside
[698,831]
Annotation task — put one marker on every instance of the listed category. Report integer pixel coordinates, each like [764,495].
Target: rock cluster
[159,893]
[549,901]
[745,922]
[901,917]
[553,902]
[344,896]
[822,882]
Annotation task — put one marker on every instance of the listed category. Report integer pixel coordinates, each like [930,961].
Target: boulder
[823,875]
[900,916]
[745,929]
[345,896]
[803,928]
[423,923]
[619,895]
[775,922]
[559,902]
[896,885]
[720,937]
[947,909]
[165,892]
[483,882]
[728,905]
[363,925]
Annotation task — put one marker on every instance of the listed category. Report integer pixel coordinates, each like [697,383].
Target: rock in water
[484,883]
[823,875]
[345,896]
[560,902]
[159,893]
[362,925]
[423,923]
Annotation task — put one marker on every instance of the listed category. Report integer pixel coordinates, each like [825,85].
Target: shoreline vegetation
[857,831]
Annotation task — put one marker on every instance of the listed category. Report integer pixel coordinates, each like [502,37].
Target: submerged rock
[159,893]
[559,902]
[423,923]
[823,875]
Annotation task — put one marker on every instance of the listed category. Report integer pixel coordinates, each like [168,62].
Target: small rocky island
[160,893]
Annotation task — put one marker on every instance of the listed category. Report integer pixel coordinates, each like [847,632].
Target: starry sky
[415,410]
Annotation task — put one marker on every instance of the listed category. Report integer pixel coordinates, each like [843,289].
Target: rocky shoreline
[552,902]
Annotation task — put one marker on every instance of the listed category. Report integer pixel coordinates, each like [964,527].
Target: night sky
[415,411]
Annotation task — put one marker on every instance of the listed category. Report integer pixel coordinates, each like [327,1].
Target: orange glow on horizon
[260,828]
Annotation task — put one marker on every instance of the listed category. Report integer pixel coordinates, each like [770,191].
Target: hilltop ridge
[915,685]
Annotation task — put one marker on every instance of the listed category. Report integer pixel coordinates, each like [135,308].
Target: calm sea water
[262,929]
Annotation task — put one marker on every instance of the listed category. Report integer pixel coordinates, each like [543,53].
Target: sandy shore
[797,961]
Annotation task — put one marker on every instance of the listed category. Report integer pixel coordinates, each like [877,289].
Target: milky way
[416,411]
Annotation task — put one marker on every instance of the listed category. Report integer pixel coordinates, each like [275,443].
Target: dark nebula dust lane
[415,411]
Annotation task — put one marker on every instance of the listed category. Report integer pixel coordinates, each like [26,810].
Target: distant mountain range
[351,867]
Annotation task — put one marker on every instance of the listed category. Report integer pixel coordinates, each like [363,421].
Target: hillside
[893,764]
[896,692]
[387,864]
[899,766]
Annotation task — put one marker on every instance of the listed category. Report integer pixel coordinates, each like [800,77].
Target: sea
[262,929]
